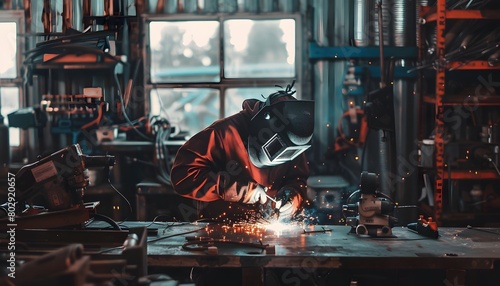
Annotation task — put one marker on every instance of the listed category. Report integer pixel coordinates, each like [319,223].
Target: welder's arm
[244,193]
[195,172]
[200,172]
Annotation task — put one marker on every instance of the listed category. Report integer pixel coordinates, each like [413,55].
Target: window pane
[259,48]
[8,64]
[235,96]
[9,102]
[189,109]
[184,51]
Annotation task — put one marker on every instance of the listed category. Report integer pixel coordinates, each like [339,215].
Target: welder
[252,158]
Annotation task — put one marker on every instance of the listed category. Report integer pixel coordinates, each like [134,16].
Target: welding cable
[83,37]
[174,235]
[158,126]
[210,242]
[161,129]
[492,163]
[128,89]
[157,222]
[141,121]
[123,197]
[125,113]
[348,200]
[98,119]
[385,196]
[482,230]
[132,240]
[101,217]
[173,224]
[126,126]
[68,49]
[109,249]
[135,121]
[166,224]
[118,192]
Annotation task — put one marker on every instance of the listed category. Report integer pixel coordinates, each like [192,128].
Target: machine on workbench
[373,210]
[55,183]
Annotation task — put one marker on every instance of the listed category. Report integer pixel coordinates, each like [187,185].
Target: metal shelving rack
[440,100]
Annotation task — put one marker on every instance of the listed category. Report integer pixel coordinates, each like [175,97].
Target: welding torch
[276,210]
[282,201]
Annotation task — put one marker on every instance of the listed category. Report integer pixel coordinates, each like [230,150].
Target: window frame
[16,16]
[224,83]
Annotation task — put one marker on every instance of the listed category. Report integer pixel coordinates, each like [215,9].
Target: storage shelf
[472,175]
[465,100]
[465,14]
[74,66]
[440,16]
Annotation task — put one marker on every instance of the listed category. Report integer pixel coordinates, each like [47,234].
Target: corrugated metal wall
[58,14]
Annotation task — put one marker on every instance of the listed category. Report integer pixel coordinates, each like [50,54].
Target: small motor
[59,180]
[373,209]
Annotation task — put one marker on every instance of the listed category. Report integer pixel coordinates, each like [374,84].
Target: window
[11,26]
[198,71]
[187,109]
[8,63]
[264,48]
[184,51]
[9,102]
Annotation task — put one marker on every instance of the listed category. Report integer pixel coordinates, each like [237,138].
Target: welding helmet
[281,130]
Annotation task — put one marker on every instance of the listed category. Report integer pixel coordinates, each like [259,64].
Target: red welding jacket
[220,150]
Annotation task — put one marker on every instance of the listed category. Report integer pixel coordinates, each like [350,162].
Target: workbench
[293,252]
[300,247]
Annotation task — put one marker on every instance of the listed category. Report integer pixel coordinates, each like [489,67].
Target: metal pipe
[210,6]
[173,7]
[27,15]
[381,45]
[77,15]
[229,6]
[47,17]
[288,6]
[67,15]
[86,12]
[387,23]
[251,6]
[404,23]
[160,7]
[363,28]
[405,177]
[190,6]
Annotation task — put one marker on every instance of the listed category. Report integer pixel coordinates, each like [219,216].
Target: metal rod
[270,198]
[381,45]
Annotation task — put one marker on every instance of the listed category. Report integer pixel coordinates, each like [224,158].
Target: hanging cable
[142,135]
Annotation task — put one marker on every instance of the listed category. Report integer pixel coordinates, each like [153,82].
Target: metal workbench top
[328,246]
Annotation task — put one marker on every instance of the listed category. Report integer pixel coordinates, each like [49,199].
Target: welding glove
[288,204]
[248,194]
